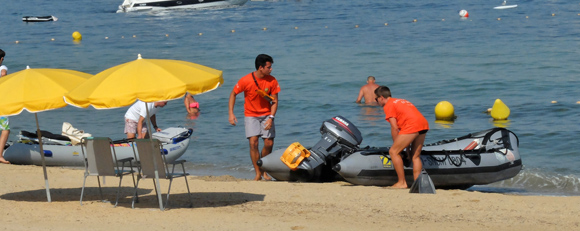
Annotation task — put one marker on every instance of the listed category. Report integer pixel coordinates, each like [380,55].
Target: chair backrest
[99,155]
[148,150]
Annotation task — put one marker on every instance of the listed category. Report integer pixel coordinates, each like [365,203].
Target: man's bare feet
[266,176]
[4,161]
[399,185]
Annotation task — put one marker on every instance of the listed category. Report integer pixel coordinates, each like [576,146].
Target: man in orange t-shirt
[260,106]
[408,127]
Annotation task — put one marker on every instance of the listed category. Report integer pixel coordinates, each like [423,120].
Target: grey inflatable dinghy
[478,158]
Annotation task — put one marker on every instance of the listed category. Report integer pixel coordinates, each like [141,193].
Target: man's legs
[401,142]
[255,156]
[416,148]
[3,139]
[267,149]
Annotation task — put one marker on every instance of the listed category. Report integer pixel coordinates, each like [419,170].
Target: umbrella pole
[154,159]
[38,133]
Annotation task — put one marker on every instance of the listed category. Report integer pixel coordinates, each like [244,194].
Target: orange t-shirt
[254,104]
[409,119]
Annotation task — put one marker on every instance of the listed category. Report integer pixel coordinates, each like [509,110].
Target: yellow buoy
[554,101]
[444,111]
[414,20]
[386,24]
[233,31]
[17,42]
[77,35]
[355,26]
[500,111]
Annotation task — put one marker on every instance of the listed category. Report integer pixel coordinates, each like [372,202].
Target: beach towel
[74,134]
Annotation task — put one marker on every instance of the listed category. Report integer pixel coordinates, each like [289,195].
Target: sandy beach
[227,203]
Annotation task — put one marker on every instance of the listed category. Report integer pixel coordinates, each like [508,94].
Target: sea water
[323,52]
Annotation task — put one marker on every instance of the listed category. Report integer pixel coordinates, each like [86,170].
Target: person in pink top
[408,127]
[192,106]
[260,105]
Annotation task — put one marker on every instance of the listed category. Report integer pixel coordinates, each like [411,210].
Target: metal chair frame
[100,159]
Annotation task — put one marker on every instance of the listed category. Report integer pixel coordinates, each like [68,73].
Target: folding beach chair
[101,160]
[146,153]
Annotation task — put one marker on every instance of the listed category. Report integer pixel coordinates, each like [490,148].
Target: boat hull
[505,7]
[149,5]
[61,155]
[475,159]
[39,18]
[445,170]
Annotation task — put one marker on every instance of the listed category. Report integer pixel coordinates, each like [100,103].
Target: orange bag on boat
[294,155]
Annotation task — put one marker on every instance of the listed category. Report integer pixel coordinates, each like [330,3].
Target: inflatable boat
[339,138]
[478,158]
[475,159]
[39,18]
[58,151]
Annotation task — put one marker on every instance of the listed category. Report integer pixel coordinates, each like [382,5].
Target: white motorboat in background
[504,6]
[147,5]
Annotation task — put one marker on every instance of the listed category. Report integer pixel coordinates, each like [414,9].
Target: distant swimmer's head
[370,79]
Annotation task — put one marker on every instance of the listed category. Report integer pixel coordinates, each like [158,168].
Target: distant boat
[150,5]
[39,18]
[505,6]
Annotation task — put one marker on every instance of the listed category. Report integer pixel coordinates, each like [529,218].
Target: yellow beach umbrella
[149,80]
[37,90]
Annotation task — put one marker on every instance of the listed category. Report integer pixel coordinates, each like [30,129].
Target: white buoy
[464,13]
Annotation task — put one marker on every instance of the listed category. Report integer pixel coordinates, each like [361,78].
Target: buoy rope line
[233,31]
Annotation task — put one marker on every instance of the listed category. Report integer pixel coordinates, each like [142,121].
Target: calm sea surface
[323,52]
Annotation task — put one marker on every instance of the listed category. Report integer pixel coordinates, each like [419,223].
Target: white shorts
[255,127]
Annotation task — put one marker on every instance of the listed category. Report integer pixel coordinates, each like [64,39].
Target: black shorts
[423,131]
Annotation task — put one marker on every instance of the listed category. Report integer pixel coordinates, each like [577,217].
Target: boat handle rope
[446,153]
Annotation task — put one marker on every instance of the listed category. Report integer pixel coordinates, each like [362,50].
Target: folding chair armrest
[123,162]
[125,159]
[178,162]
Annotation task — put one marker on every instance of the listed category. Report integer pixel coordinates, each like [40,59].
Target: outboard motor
[339,137]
